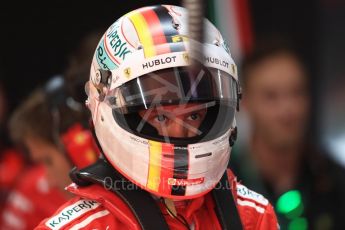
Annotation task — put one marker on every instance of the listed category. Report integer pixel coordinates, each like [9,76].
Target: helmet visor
[178,103]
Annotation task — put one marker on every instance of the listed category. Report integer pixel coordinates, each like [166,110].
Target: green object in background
[290,204]
[211,12]
[298,224]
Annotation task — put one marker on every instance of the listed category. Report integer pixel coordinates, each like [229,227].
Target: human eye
[160,118]
[194,116]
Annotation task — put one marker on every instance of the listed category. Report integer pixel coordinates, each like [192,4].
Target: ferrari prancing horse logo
[127,72]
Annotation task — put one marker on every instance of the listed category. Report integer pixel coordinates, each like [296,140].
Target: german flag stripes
[156,31]
[168,165]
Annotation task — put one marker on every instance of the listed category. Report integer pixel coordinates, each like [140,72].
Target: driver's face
[176,120]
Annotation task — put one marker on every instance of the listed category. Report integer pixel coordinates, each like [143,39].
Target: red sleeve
[268,220]
[30,201]
[80,213]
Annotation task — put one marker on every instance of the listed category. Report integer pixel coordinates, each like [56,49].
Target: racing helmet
[141,72]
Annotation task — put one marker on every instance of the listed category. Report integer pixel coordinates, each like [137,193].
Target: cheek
[262,112]
[61,164]
[34,156]
[56,164]
[61,167]
[195,124]
[303,107]
[254,103]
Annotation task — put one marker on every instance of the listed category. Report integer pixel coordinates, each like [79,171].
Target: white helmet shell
[147,41]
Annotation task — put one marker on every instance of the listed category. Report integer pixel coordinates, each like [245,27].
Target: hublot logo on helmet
[217,61]
[160,61]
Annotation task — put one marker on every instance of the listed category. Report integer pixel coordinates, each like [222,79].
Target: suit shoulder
[255,210]
[75,212]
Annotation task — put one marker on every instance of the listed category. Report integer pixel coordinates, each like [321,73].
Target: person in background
[53,134]
[12,162]
[280,160]
[55,146]
[78,66]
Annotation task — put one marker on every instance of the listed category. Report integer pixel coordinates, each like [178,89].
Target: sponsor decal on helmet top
[115,44]
[103,59]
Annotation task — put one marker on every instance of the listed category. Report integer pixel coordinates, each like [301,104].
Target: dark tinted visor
[206,94]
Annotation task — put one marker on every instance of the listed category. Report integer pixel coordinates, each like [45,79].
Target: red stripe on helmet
[167,168]
[157,31]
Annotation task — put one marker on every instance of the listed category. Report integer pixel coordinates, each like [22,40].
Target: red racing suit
[97,208]
[31,200]
[12,164]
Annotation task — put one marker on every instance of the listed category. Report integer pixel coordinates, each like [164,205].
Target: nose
[177,129]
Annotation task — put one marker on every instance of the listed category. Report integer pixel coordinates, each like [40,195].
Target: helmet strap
[170,206]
